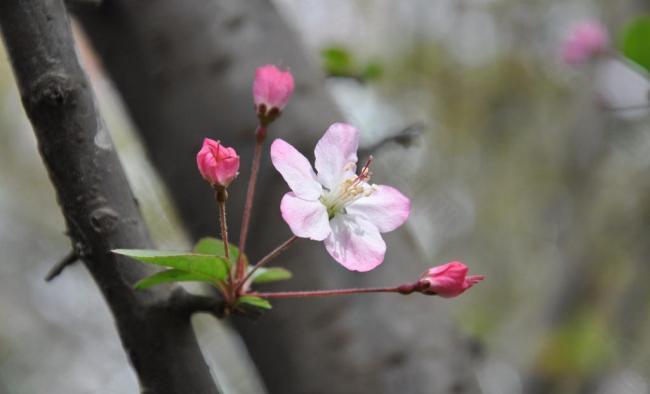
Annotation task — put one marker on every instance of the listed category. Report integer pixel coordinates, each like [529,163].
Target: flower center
[350,190]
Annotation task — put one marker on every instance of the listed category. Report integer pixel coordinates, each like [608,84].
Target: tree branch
[186,304]
[98,206]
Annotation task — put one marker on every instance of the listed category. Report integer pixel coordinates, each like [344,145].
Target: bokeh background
[532,172]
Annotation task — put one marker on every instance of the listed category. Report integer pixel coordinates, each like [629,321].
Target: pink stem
[264,260]
[224,228]
[260,134]
[404,289]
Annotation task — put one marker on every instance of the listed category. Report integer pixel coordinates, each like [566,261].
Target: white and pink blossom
[335,204]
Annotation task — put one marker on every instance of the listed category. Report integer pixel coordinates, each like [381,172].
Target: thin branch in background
[404,137]
[67,260]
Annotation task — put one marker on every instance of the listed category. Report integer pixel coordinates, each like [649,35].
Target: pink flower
[448,280]
[585,40]
[337,205]
[272,89]
[218,164]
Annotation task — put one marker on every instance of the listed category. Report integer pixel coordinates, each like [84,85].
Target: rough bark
[185,70]
[99,208]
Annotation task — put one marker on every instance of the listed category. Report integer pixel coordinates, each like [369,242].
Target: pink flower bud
[218,164]
[585,41]
[271,91]
[448,280]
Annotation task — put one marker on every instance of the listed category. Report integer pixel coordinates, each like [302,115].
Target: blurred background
[532,172]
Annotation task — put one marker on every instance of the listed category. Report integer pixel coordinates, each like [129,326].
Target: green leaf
[337,61]
[211,245]
[372,71]
[635,42]
[214,267]
[171,275]
[266,275]
[254,301]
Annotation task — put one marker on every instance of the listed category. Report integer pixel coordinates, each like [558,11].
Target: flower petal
[355,243]
[334,152]
[386,208]
[272,87]
[307,219]
[295,170]
[454,269]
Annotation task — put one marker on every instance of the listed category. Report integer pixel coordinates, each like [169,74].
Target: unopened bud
[272,89]
[447,280]
[218,164]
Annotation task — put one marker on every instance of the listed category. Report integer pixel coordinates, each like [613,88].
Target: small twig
[222,196]
[260,135]
[404,137]
[635,107]
[403,289]
[69,259]
[264,260]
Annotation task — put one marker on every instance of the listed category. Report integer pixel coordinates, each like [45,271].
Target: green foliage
[206,264]
[635,42]
[267,275]
[337,61]
[211,267]
[340,62]
[372,71]
[171,275]
[214,246]
[254,301]
[579,347]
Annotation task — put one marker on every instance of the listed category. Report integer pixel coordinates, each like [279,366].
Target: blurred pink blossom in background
[585,40]
[272,88]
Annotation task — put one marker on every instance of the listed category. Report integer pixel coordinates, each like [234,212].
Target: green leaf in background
[254,301]
[267,275]
[340,62]
[578,348]
[171,275]
[635,42]
[213,267]
[337,61]
[372,71]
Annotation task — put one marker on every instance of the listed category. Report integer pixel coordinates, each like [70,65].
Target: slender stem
[627,108]
[222,196]
[264,260]
[326,293]
[260,135]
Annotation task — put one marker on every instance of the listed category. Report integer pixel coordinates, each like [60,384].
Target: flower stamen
[350,190]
